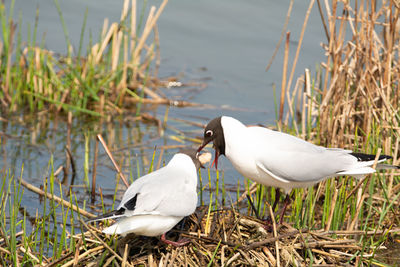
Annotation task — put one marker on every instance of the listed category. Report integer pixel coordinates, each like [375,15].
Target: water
[226,44]
[230,42]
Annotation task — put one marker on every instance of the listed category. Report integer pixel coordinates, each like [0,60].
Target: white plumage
[281,160]
[156,202]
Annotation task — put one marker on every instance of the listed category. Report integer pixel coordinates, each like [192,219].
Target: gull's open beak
[203,145]
[198,158]
[216,152]
[216,158]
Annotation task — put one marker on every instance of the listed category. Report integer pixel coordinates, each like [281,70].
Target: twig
[273,239]
[56,198]
[324,253]
[314,244]
[83,255]
[271,214]
[61,259]
[112,160]
[125,258]
[299,45]
[101,241]
[328,224]
[32,256]
[323,21]
[71,159]
[360,232]
[207,238]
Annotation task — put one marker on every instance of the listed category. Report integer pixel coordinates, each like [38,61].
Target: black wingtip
[108,215]
[368,157]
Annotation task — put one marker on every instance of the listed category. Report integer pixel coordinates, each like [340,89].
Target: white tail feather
[358,173]
[113,229]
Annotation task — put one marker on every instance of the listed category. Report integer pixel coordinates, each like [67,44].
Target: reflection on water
[32,142]
[229,42]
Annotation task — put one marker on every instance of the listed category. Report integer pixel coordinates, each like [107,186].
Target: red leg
[268,221]
[277,196]
[179,243]
[286,203]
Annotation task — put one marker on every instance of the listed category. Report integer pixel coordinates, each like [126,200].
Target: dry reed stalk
[98,53]
[77,252]
[361,73]
[3,250]
[272,216]
[56,198]
[283,88]
[125,10]
[328,224]
[149,26]
[133,26]
[121,174]
[102,242]
[289,83]
[125,258]
[282,35]
[9,65]
[24,251]
[84,255]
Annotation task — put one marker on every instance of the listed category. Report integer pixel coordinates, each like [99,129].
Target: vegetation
[351,102]
[113,75]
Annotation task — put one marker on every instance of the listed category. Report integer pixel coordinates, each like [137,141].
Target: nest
[225,238]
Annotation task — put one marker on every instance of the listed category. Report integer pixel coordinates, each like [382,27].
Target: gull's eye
[209,133]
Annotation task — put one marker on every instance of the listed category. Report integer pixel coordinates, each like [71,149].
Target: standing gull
[156,202]
[281,160]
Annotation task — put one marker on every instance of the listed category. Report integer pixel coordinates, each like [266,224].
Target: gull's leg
[179,243]
[286,202]
[277,196]
[268,221]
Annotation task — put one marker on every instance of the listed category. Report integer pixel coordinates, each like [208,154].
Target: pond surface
[225,44]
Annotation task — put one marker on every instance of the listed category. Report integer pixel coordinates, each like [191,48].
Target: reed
[113,75]
[350,101]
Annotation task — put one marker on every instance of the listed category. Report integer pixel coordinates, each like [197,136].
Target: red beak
[216,153]
[216,159]
[202,146]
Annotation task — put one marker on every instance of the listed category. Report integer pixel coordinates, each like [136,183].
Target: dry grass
[357,86]
[351,102]
[221,238]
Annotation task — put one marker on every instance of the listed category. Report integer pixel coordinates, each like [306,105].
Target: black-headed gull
[281,160]
[153,204]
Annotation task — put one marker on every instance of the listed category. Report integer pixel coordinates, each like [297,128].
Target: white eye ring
[209,133]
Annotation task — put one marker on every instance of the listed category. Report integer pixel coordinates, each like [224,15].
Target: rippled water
[225,44]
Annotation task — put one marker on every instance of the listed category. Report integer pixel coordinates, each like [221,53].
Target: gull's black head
[194,155]
[214,132]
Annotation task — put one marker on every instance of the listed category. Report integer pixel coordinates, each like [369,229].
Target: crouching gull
[153,204]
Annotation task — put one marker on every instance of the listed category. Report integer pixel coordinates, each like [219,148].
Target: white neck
[234,133]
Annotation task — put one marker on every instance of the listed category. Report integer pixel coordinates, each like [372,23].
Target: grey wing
[288,158]
[162,192]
